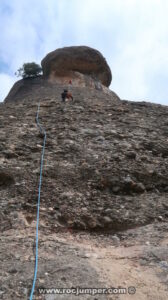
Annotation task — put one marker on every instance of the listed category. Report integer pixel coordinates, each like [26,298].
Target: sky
[131,34]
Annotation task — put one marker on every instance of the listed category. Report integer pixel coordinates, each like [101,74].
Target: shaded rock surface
[32,88]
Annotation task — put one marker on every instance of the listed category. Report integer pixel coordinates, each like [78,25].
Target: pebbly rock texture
[104,207]
[106,160]
[74,61]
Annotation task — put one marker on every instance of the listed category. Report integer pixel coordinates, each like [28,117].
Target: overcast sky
[131,34]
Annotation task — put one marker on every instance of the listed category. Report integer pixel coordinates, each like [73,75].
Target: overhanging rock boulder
[84,65]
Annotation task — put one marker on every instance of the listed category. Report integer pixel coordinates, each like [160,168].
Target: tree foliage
[29,70]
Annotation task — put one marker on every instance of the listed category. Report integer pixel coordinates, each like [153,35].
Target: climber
[66,96]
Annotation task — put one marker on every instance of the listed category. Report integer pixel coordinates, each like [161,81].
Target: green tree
[29,70]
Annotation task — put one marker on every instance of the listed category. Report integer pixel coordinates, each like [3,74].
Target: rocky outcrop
[24,87]
[71,62]
[104,208]
[84,67]
[106,159]
[31,88]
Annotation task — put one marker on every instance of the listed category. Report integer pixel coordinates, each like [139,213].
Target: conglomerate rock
[77,66]
[104,208]
[77,59]
[106,160]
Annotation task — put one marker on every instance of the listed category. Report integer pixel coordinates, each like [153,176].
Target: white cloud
[131,34]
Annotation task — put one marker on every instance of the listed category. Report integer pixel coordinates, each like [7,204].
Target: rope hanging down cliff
[43,133]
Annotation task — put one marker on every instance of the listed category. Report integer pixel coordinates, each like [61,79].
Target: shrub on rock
[29,70]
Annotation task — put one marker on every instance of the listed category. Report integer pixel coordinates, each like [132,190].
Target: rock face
[106,160]
[84,67]
[105,172]
[73,61]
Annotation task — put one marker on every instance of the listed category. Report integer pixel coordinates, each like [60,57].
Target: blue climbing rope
[43,133]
